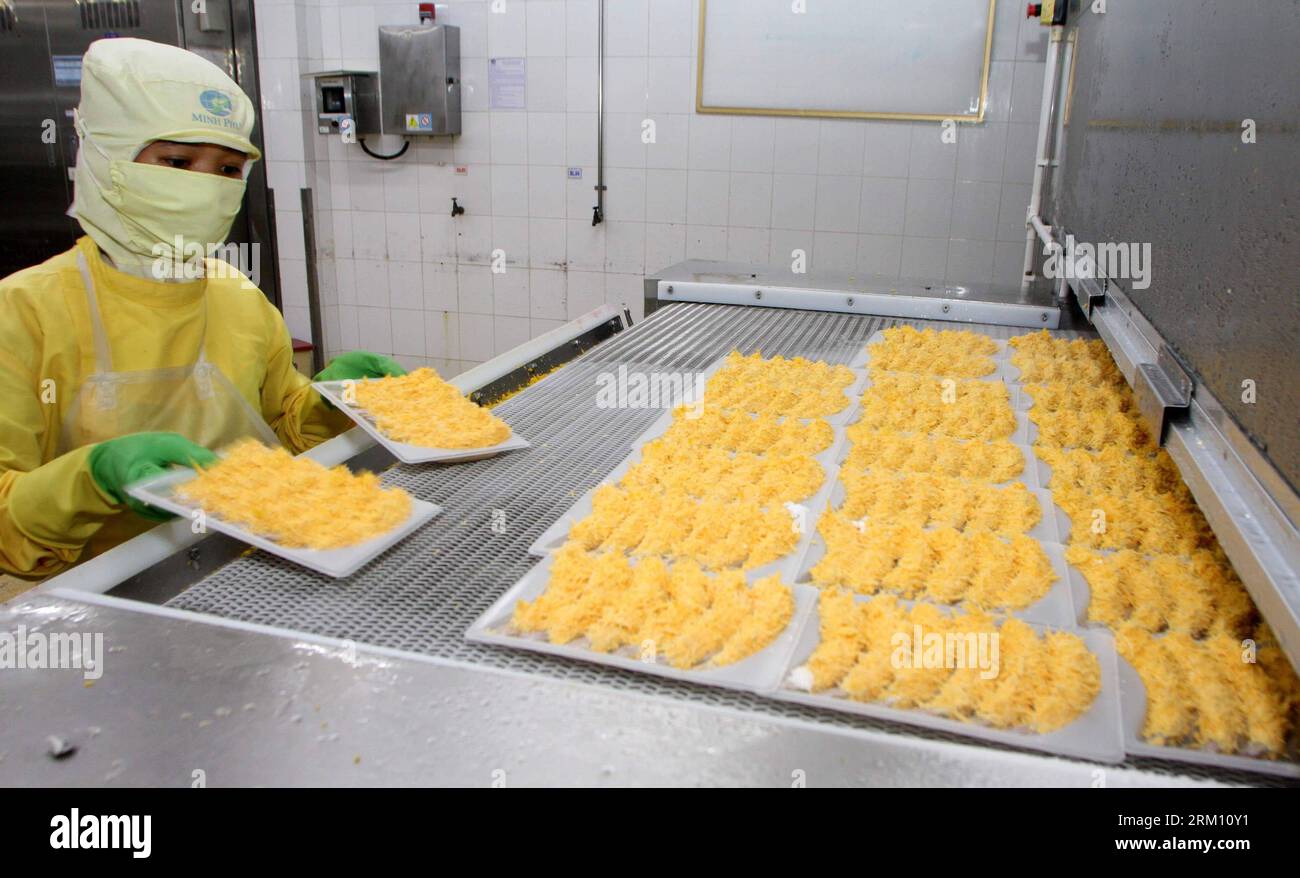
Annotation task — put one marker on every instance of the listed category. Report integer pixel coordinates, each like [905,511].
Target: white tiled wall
[404,278]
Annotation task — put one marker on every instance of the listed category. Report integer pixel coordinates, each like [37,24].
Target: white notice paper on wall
[506,83]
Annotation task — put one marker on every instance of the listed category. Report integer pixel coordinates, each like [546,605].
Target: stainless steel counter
[248,708]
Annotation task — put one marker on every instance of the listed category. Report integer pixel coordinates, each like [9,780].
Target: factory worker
[109,373]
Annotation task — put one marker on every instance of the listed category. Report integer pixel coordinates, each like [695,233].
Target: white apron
[196,401]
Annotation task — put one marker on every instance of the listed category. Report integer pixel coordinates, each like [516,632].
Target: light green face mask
[163,208]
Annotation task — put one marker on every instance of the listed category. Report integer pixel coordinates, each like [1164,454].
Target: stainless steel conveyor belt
[408,612]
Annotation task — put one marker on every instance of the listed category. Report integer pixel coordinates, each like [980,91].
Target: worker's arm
[300,417]
[48,514]
[294,410]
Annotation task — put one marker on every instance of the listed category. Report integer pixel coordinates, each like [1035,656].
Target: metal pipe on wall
[598,212]
[1061,110]
[1041,158]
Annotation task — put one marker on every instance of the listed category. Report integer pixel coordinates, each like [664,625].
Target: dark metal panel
[1154,153]
[36,174]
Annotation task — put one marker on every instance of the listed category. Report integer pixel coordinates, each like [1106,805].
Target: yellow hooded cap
[134,92]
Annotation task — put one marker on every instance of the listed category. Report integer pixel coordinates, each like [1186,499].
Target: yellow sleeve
[47,515]
[48,512]
[295,412]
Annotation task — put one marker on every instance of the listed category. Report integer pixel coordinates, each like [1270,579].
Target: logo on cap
[216,102]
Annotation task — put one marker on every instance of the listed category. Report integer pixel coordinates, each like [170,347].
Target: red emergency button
[1034,10]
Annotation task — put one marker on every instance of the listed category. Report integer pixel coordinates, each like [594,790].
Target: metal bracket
[1091,293]
[1163,390]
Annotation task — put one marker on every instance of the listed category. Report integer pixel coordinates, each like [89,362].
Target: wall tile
[439,288]
[665,196]
[980,152]
[547,291]
[875,197]
[884,206]
[408,332]
[442,334]
[840,147]
[838,202]
[929,208]
[797,145]
[970,261]
[665,245]
[509,333]
[880,254]
[668,86]
[477,337]
[710,148]
[750,201]
[585,291]
[930,157]
[975,210]
[405,287]
[794,201]
[753,144]
[706,197]
[545,28]
[924,258]
[510,296]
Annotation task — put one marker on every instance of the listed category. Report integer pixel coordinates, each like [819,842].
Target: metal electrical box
[346,94]
[419,79]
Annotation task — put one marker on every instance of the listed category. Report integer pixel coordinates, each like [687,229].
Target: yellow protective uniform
[51,511]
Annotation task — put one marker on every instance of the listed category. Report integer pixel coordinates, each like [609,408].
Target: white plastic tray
[863,357]
[406,453]
[760,672]
[662,424]
[852,393]
[1096,735]
[787,566]
[1030,475]
[1133,705]
[1056,608]
[1021,435]
[338,563]
[1046,531]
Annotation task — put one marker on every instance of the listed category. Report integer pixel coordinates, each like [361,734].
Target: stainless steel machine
[256,671]
[41,44]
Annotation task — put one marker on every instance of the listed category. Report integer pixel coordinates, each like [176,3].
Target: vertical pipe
[1040,151]
[1062,96]
[1058,138]
[598,212]
[313,282]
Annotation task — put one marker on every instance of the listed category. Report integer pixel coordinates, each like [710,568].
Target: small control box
[346,98]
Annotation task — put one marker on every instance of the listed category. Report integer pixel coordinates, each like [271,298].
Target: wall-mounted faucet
[456,209]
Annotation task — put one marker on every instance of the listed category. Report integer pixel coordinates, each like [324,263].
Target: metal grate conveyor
[422,595]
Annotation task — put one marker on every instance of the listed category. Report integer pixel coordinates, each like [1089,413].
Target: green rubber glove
[359,364]
[119,462]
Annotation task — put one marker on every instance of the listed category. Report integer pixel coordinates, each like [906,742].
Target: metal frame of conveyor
[735,283]
[184,602]
[1250,506]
